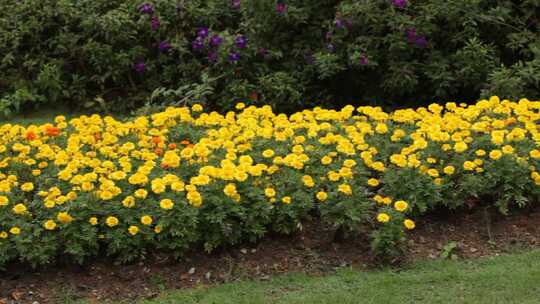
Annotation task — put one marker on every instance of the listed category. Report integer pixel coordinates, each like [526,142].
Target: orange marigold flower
[52,131]
[31,135]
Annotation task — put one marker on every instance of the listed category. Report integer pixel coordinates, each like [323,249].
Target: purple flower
[338,23]
[164,46]
[328,35]
[411,35]
[197,44]
[241,42]
[281,7]
[215,41]
[139,67]
[212,56]
[399,3]
[202,32]
[234,56]
[363,60]
[263,52]
[330,47]
[154,23]
[146,8]
[235,4]
[421,41]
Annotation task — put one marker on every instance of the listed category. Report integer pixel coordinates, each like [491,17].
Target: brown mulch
[314,250]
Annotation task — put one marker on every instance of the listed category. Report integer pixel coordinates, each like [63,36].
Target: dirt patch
[313,251]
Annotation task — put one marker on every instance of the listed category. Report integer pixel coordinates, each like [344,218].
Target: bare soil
[314,250]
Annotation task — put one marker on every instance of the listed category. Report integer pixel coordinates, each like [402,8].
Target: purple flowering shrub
[288,53]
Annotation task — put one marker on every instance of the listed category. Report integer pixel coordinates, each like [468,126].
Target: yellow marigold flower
[178,186]
[187,153]
[449,170]
[286,200]
[27,187]
[333,176]
[386,200]
[112,221]
[87,186]
[93,221]
[105,195]
[197,108]
[3,200]
[15,230]
[535,154]
[49,225]
[401,206]
[381,128]
[326,160]
[3,235]
[230,190]
[64,217]
[118,175]
[133,230]
[146,220]
[383,218]
[166,204]
[345,188]
[141,193]
[157,229]
[158,186]
[373,182]
[36,172]
[409,224]
[19,209]
[268,153]
[378,166]
[495,154]
[349,163]
[507,149]
[270,192]
[480,153]
[308,181]
[240,106]
[469,165]
[460,147]
[322,196]
[241,176]
[433,172]
[129,202]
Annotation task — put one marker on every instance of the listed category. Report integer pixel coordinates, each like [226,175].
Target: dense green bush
[115,55]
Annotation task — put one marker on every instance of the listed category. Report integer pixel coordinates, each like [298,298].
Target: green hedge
[117,55]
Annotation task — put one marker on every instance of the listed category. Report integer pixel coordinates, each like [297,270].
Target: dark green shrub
[115,55]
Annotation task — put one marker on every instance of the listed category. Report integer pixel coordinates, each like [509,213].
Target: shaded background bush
[117,55]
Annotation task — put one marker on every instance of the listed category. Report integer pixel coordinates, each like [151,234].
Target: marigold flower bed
[184,178]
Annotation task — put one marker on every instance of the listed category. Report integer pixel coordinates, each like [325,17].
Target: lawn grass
[511,278]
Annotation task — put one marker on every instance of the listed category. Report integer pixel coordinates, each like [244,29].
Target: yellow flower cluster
[136,175]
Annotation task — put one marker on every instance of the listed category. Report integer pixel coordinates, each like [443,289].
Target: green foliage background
[82,53]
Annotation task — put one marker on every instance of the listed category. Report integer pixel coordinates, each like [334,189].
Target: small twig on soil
[487,218]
